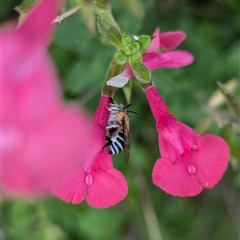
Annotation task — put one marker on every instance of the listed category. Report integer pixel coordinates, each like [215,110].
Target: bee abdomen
[117,145]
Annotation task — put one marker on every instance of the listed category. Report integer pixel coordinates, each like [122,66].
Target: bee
[117,129]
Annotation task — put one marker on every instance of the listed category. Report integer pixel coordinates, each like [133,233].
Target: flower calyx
[130,49]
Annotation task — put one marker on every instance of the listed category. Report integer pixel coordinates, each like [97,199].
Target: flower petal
[174,59]
[73,191]
[211,159]
[47,153]
[188,135]
[171,40]
[38,26]
[109,188]
[118,81]
[174,179]
[155,44]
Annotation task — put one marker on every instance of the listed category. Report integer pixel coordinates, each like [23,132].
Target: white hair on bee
[115,109]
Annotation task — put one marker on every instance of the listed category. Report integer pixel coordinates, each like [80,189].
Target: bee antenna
[132,112]
[127,106]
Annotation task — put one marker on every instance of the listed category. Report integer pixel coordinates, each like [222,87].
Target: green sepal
[127,91]
[103,10]
[25,6]
[144,42]
[120,57]
[113,70]
[141,72]
[110,32]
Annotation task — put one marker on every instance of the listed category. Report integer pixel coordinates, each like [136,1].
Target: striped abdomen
[117,143]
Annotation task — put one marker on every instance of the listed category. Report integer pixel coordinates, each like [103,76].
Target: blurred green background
[147,213]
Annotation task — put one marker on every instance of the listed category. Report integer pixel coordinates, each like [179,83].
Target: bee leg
[111,131]
[108,143]
[111,100]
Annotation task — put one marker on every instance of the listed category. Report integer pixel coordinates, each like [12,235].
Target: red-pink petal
[174,179]
[188,135]
[173,59]
[171,40]
[166,149]
[37,26]
[211,159]
[98,124]
[59,147]
[47,153]
[155,44]
[108,188]
[73,191]
[158,106]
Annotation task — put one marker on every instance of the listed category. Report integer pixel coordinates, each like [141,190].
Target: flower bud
[120,57]
[144,41]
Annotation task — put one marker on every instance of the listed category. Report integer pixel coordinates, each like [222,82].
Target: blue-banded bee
[117,129]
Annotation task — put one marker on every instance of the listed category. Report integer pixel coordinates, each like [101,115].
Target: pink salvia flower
[188,162]
[153,59]
[41,137]
[165,41]
[95,180]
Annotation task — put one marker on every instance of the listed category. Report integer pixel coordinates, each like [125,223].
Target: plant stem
[58,19]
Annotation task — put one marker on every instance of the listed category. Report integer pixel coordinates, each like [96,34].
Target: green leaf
[231,99]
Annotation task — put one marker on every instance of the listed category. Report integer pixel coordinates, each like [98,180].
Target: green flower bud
[137,57]
[131,48]
[127,50]
[144,41]
[126,40]
[120,57]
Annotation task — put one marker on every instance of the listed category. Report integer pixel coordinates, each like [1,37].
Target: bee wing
[126,141]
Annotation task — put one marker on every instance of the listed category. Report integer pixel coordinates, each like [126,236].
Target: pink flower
[42,138]
[165,41]
[95,179]
[153,59]
[188,161]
